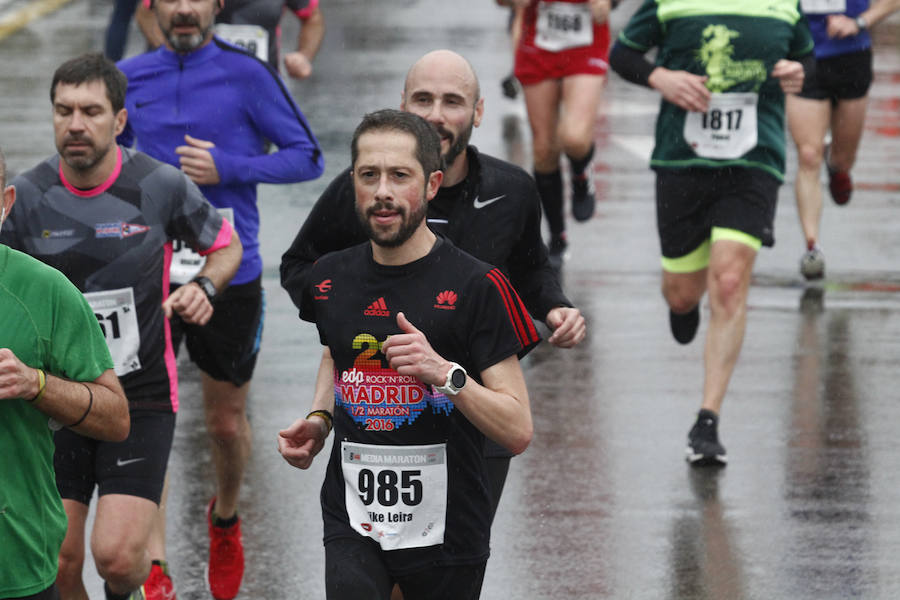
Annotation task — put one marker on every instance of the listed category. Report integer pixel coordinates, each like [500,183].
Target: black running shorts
[354,569]
[842,77]
[691,202]
[51,593]
[226,348]
[134,467]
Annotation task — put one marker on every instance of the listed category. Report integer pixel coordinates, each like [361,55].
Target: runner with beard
[254,26]
[106,217]
[210,109]
[485,206]
[408,317]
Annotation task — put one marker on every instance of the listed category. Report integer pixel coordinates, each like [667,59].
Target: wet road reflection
[703,560]
[827,468]
[601,505]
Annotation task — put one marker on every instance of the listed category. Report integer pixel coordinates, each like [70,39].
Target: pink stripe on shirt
[169,354]
[100,188]
[222,240]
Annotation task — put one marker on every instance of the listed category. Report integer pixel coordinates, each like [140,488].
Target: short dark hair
[93,67]
[428,142]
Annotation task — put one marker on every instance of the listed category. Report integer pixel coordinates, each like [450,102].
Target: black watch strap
[206,285]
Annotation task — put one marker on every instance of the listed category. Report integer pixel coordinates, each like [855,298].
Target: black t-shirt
[471,315]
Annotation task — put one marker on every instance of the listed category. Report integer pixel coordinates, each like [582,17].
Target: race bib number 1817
[727,130]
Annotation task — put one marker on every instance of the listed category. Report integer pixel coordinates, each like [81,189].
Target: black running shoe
[510,87]
[558,246]
[704,449]
[583,199]
[684,327]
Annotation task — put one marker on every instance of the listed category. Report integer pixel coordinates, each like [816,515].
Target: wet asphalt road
[602,504]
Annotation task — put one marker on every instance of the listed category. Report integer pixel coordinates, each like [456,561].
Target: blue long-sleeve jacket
[219,94]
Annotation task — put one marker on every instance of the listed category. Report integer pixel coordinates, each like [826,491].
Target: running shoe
[510,86]
[840,185]
[704,449]
[583,198]
[159,584]
[226,557]
[812,264]
[684,326]
[558,246]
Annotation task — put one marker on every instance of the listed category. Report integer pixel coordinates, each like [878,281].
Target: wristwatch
[456,379]
[206,285]
[862,23]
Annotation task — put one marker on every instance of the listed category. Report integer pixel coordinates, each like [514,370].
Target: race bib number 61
[396,495]
[115,311]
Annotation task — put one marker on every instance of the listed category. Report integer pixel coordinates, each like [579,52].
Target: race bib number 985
[396,495]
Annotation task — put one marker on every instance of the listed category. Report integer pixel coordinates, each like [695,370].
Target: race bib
[562,25]
[252,38]
[115,311]
[813,7]
[185,262]
[396,495]
[726,130]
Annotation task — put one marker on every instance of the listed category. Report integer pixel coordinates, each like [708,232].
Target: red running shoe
[159,585]
[840,185]
[226,557]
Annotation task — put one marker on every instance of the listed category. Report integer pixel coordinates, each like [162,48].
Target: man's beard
[408,224]
[459,144]
[84,160]
[183,43]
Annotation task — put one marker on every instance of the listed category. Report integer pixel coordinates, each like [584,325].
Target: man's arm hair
[99,407]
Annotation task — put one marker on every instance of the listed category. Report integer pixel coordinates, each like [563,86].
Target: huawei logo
[447,300]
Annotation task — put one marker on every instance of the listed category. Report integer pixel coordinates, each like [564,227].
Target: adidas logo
[377,309]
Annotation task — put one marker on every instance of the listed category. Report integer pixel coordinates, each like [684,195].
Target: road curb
[18,18]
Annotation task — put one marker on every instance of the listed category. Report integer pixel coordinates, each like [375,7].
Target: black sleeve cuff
[630,64]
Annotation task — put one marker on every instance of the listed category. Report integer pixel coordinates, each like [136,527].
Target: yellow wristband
[326,416]
[42,385]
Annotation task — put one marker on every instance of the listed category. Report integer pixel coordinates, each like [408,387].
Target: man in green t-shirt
[722,70]
[54,363]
